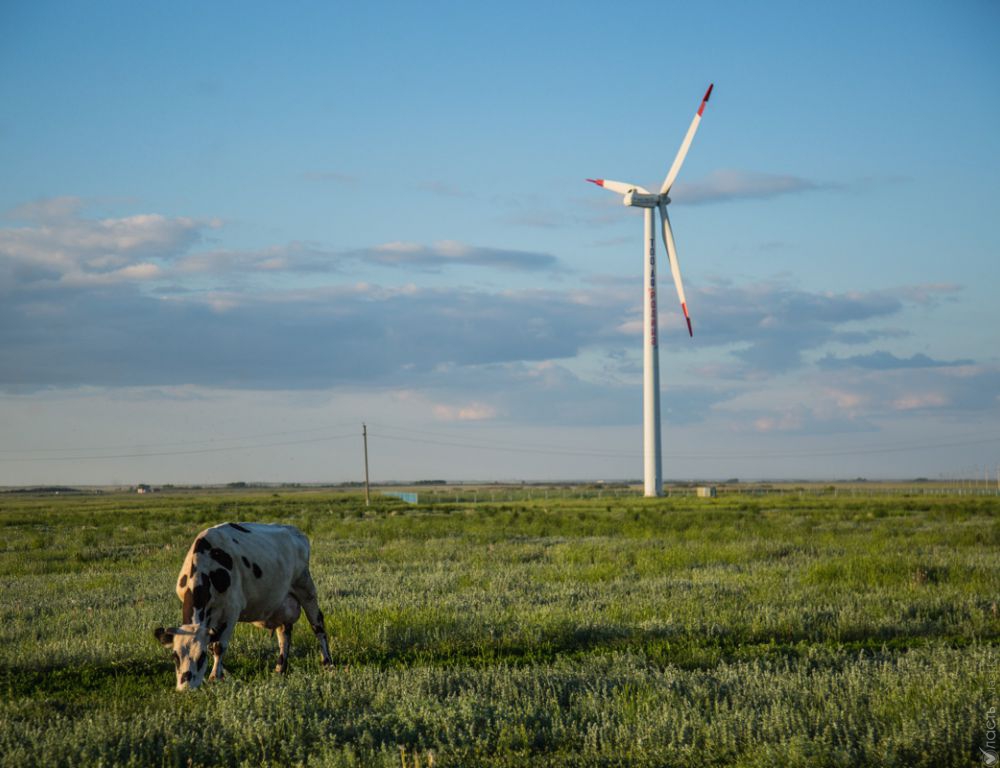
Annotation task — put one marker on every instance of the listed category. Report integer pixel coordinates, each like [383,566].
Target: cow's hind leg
[305,590]
[284,647]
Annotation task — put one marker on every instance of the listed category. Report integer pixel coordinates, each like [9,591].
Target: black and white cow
[241,572]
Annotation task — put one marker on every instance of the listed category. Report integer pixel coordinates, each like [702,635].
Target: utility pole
[364,436]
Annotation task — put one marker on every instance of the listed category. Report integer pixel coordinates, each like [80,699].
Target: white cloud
[471,355]
[299,257]
[630,328]
[336,177]
[930,294]
[772,323]
[133,273]
[444,189]
[921,400]
[469,412]
[452,252]
[303,257]
[731,184]
[790,421]
[60,245]
[882,360]
[46,209]
[846,401]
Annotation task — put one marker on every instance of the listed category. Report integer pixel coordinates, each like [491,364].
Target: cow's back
[248,567]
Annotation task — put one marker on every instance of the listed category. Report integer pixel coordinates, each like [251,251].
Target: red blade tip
[704,101]
[598,182]
[687,317]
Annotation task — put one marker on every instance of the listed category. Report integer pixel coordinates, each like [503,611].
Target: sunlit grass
[804,630]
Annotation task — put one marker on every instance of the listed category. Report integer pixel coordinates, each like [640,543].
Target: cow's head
[192,647]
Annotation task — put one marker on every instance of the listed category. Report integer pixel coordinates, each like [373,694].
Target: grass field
[738,631]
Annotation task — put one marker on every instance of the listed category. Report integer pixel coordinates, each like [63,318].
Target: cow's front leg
[219,637]
[217,672]
[284,647]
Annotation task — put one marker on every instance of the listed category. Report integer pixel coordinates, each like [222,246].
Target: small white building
[707,492]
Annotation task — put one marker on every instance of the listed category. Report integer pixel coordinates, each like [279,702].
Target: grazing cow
[241,572]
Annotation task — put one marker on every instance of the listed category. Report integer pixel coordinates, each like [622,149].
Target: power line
[448,440]
[511,448]
[539,449]
[458,441]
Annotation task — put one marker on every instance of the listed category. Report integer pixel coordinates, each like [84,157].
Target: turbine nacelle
[637,199]
[632,194]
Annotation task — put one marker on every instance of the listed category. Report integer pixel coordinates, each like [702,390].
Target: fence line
[460,495]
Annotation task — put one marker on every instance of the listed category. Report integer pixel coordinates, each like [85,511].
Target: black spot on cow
[245,561]
[201,545]
[240,528]
[201,661]
[202,593]
[220,579]
[184,581]
[222,557]
[185,677]
[187,611]
[257,571]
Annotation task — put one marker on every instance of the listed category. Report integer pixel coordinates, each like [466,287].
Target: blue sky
[230,233]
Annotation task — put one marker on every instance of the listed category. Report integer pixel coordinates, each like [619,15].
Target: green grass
[741,631]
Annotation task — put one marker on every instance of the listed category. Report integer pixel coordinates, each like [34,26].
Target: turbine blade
[675,267]
[621,187]
[685,145]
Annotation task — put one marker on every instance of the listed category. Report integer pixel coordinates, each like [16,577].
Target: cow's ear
[165,636]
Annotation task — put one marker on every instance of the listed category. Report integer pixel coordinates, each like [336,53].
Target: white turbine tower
[638,197]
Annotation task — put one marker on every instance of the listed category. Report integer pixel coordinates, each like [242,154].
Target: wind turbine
[637,197]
